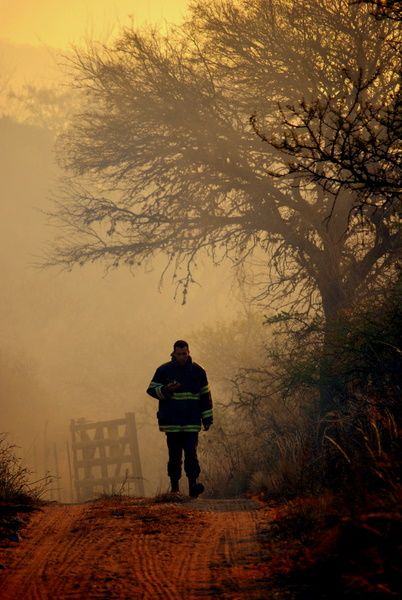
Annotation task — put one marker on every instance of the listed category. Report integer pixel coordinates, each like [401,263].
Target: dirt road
[134,548]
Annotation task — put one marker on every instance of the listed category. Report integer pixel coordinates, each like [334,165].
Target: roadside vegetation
[335,478]
[19,495]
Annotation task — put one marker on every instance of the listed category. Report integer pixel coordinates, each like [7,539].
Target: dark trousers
[177,442]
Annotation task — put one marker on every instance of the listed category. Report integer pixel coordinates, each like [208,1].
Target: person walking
[185,402]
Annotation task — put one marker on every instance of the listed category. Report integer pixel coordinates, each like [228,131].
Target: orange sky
[59,23]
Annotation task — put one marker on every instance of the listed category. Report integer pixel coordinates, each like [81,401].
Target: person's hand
[173,386]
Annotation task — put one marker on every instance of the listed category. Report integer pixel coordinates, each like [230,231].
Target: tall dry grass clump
[261,448]
[15,484]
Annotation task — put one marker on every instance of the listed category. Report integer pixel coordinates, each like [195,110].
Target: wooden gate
[106,458]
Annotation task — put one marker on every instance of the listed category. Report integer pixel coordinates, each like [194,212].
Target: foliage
[228,457]
[356,445]
[345,541]
[268,436]
[260,441]
[362,434]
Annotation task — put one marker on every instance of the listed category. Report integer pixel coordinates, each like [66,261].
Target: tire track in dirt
[228,542]
[204,542]
[130,548]
[155,568]
[47,531]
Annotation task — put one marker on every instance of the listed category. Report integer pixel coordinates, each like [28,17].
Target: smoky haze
[80,344]
[162,155]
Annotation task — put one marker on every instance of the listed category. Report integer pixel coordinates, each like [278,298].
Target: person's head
[181,352]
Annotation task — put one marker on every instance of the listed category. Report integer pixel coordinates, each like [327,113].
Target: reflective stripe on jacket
[185,409]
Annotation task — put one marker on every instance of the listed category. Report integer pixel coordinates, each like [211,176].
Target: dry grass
[18,496]
[15,484]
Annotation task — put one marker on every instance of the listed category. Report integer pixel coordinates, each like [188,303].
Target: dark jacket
[185,409]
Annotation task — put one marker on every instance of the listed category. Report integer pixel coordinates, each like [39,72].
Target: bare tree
[163,159]
[45,106]
[346,142]
[351,140]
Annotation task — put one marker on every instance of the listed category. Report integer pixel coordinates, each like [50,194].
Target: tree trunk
[331,387]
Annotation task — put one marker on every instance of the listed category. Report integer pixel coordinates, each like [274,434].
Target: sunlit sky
[58,23]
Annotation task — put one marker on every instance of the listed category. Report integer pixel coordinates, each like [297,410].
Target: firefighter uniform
[180,413]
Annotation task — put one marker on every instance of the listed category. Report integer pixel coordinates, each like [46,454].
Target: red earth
[130,548]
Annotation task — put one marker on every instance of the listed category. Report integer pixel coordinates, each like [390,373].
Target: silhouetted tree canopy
[346,142]
[384,9]
[352,139]
[162,157]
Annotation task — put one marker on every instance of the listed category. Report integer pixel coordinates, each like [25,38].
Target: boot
[174,486]
[194,488]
